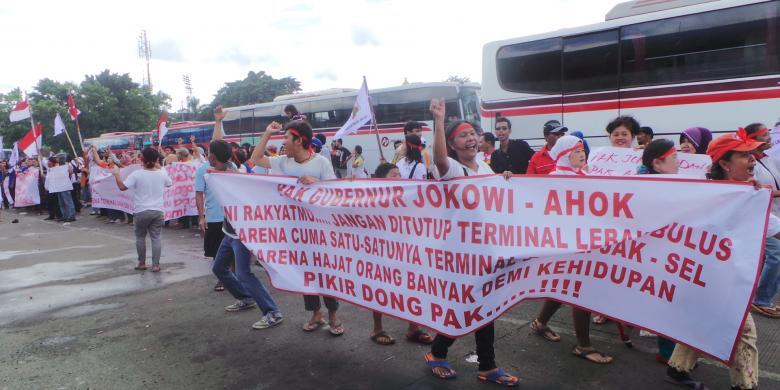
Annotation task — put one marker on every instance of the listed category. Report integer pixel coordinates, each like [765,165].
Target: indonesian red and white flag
[20,112]
[31,142]
[162,128]
[74,112]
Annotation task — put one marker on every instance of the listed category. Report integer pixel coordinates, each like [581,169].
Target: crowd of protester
[459,148]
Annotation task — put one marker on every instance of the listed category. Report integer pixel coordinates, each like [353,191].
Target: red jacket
[541,163]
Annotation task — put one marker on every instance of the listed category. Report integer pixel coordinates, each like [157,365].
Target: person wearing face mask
[454,155]
[512,154]
[622,131]
[767,173]
[695,140]
[733,159]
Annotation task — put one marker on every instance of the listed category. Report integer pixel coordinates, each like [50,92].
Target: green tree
[257,87]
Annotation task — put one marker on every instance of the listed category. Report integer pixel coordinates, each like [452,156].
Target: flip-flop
[219,287]
[419,336]
[439,363]
[496,377]
[155,268]
[336,330]
[584,355]
[389,340]
[140,267]
[545,332]
[312,326]
[600,320]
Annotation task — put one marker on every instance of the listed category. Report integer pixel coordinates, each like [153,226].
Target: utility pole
[145,53]
[188,88]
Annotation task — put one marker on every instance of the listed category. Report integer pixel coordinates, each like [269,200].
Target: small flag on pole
[74,112]
[59,125]
[162,128]
[20,112]
[361,113]
[31,142]
[14,156]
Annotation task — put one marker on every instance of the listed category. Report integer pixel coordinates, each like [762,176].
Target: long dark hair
[150,156]
[655,149]
[413,147]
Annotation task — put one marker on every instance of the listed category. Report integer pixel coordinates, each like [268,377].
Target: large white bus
[672,64]
[328,110]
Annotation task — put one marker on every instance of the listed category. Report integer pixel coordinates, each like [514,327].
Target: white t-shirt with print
[459,170]
[148,187]
[318,167]
[405,166]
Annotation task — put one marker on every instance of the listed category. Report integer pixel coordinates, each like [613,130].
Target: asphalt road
[75,315]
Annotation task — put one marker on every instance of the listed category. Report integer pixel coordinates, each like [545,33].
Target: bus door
[590,83]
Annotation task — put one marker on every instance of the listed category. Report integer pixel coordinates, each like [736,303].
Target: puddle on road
[23,304]
[43,273]
[5,255]
[56,340]
[77,311]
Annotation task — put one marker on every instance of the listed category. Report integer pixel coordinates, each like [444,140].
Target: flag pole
[70,142]
[373,123]
[78,131]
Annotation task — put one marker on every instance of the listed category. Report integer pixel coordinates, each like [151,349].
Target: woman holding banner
[695,140]
[622,131]
[733,159]
[309,167]
[569,156]
[454,155]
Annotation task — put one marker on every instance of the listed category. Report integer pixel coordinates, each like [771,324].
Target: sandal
[496,377]
[587,355]
[312,326]
[600,320]
[336,330]
[155,268]
[771,312]
[140,267]
[382,338]
[419,336]
[451,374]
[219,287]
[544,331]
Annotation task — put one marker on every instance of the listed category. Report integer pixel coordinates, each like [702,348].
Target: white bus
[672,64]
[328,110]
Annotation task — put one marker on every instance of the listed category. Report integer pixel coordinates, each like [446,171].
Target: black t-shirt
[516,158]
[339,159]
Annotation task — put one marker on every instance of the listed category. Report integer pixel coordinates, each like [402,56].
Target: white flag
[14,156]
[59,125]
[1,141]
[361,113]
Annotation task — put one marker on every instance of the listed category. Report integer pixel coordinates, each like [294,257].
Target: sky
[323,44]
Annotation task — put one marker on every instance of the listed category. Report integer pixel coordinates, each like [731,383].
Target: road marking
[5,255]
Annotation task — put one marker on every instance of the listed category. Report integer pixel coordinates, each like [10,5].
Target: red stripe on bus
[639,103]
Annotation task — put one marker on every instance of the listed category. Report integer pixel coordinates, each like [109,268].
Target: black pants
[312,303]
[53,205]
[76,194]
[485,353]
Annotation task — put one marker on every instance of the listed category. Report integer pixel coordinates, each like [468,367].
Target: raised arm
[219,115]
[258,156]
[195,149]
[439,139]
[118,178]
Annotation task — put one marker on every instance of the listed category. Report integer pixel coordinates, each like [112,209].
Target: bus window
[246,125]
[531,67]
[590,62]
[728,43]
[470,101]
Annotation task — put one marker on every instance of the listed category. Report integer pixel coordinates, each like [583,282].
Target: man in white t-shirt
[148,185]
[301,161]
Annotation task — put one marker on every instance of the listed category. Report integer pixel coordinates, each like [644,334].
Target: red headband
[461,127]
[667,154]
[757,133]
[564,152]
[297,134]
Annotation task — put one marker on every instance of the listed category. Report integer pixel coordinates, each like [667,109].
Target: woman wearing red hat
[733,159]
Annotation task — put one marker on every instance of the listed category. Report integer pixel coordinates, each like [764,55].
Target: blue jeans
[67,208]
[770,274]
[243,284]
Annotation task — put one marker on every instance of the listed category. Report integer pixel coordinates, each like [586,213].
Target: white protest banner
[611,161]
[105,192]
[58,179]
[179,199]
[27,193]
[455,255]
[774,151]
